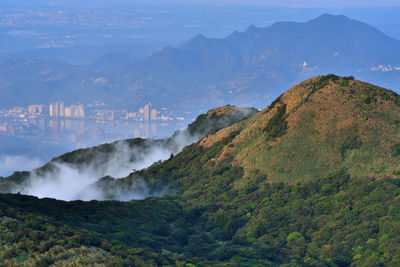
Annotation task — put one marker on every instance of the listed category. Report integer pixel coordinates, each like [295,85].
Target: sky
[276,3]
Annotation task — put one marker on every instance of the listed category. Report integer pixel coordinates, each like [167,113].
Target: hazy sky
[282,3]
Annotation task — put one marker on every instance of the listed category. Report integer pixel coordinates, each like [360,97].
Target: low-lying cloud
[68,182]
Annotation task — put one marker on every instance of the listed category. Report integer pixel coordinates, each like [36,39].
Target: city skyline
[78,123]
[60,109]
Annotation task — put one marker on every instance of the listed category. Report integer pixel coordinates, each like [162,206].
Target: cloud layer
[66,181]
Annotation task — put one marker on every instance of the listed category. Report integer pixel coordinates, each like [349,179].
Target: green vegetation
[395,150]
[351,142]
[277,125]
[333,221]
[306,182]
[219,118]
[293,237]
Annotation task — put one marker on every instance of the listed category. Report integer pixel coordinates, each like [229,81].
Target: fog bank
[65,181]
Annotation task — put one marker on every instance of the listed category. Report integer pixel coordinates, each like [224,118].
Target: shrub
[384,238]
[351,142]
[277,126]
[293,237]
[395,149]
[348,78]
[370,100]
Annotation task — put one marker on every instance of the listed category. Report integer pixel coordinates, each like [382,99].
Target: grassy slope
[317,127]
[328,124]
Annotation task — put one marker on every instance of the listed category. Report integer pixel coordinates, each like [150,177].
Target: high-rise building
[32,109]
[141,114]
[51,110]
[81,111]
[153,115]
[57,109]
[61,111]
[68,112]
[35,109]
[75,111]
[72,111]
[56,112]
[146,110]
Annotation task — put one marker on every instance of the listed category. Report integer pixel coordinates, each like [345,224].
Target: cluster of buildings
[59,110]
[146,113]
[36,109]
[78,123]
[96,112]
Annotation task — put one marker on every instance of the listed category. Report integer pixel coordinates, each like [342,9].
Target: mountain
[322,125]
[255,66]
[83,54]
[248,68]
[334,202]
[31,81]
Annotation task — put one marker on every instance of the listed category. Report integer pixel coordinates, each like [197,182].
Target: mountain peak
[228,110]
[220,117]
[336,20]
[251,28]
[327,16]
[321,125]
[199,38]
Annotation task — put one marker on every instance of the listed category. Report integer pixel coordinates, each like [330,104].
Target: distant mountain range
[248,68]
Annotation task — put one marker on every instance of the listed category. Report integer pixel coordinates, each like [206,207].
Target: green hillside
[332,221]
[312,180]
[317,127]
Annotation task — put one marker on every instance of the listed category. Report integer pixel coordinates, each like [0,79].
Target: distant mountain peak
[331,16]
[200,36]
[252,28]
